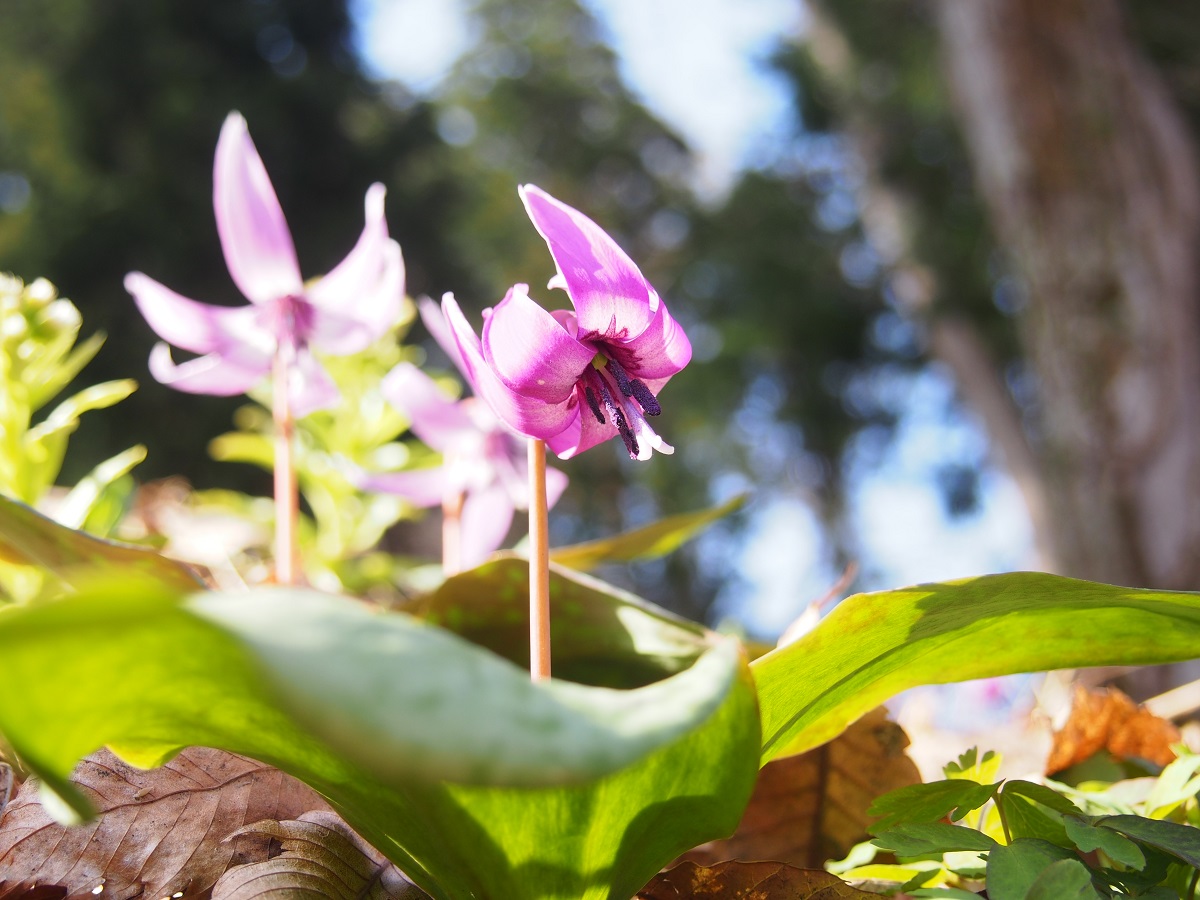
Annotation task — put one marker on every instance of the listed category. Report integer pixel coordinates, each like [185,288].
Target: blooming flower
[576,378]
[340,313]
[483,464]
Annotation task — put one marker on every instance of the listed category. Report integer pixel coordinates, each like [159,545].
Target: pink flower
[576,378]
[341,313]
[483,463]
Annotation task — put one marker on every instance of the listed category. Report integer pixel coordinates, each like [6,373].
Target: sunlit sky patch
[698,64]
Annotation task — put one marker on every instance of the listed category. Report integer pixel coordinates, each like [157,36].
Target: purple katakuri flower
[340,313]
[576,378]
[483,463]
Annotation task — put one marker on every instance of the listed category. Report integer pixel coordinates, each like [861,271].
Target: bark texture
[1091,182]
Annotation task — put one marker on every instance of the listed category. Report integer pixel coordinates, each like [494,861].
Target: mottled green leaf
[591,623]
[29,538]
[654,540]
[372,708]
[872,646]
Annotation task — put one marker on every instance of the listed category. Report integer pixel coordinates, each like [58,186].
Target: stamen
[622,377]
[617,414]
[643,396]
[634,387]
[590,396]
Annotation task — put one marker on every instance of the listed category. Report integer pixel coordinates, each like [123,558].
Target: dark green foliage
[1051,850]
[924,803]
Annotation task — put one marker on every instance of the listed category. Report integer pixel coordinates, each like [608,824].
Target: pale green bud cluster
[39,357]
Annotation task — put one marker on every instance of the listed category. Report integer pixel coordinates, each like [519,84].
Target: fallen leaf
[809,808]
[159,833]
[322,857]
[1108,720]
[749,881]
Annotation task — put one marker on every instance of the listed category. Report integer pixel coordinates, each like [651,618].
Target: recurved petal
[338,334]
[531,351]
[420,487]
[486,517]
[556,483]
[211,374]
[309,386]
[658,352]
[583,432]
[435,322]
[368,285]
[193,326]
[254,234]
[524,415]
[612,298]
[435,418]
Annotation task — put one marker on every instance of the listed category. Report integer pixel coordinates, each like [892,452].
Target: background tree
[1077,127]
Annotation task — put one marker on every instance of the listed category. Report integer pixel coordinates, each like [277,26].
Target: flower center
[608,388]
[290,319]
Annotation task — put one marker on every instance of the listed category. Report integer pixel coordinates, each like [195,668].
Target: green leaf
[923,803]
[56,377]
[1013,869]
[1039,793]
[872,646]
[28,538]
[1025,819]
[934,837]
[370,708]
[970,765]
[1181,841]
[82,499]
[1088,837]
[46,443]
[655,540]
[240,446]
[944,893]
[591,623]
[1067,879]
[98,396]
[1177,784]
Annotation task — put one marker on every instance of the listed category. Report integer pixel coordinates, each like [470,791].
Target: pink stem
[452,507]
[539,565]
[287,491]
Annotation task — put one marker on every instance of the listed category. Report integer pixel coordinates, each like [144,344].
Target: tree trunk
[1091,182]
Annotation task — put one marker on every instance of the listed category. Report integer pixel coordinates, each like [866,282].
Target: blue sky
[695,63]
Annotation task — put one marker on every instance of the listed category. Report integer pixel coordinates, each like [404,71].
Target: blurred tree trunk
[1090,178]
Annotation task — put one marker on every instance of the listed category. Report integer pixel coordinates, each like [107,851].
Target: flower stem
[539,565]
[287,491]
[452,507]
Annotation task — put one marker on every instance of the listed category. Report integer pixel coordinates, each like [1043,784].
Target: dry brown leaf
[749,881]
[322,857]
[161,833]
[809,808]
[1107,719]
